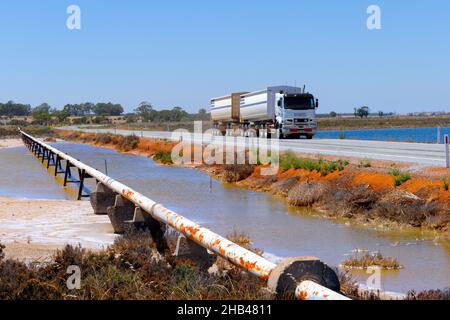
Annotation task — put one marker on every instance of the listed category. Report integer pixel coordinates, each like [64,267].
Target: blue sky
[182,53]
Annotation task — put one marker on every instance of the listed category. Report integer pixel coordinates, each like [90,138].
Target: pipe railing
[221,246]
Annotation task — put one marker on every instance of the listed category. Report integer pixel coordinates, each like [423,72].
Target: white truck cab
[296,115]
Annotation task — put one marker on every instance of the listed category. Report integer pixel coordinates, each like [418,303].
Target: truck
[277,111]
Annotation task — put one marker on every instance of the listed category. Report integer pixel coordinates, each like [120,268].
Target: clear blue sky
[182,53]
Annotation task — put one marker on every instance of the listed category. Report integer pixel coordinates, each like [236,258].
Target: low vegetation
[34,130]
[290,160]
[445,184]
[163,157]
[129,269]
[236,172]
[307,193]
[368,260]
[364,164]
[399,177]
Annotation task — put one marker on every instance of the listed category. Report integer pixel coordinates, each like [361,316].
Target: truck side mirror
[317,103]
[279,103]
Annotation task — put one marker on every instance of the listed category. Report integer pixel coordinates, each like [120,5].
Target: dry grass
[236,172]
[307,193]
[367,260]
[429,295]
[283,186]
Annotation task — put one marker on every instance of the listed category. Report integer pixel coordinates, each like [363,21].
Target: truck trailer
[279,111]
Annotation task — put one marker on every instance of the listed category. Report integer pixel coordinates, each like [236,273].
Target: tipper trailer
[279,111]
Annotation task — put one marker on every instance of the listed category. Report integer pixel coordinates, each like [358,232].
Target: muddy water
[273,226]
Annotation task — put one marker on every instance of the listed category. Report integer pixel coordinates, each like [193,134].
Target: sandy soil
[10,143]
[32,230]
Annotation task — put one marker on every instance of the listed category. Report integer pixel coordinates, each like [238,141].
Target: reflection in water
[269,222]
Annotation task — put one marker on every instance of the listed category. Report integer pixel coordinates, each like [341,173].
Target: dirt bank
[34,229]
[10,143]
[371,192]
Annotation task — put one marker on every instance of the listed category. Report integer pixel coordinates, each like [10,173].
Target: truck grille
[301,120]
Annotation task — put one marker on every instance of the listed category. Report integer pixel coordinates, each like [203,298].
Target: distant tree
[78,110]
[61,115]
[72,109]
[107,109]
[42,113]
[14,109]
[333,114]
[42,108]
[380,114]
[362,112]
[87,108]
[177,114]
[145,111]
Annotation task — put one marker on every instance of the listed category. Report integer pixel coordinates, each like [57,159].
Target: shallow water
[426,135]
[273,226]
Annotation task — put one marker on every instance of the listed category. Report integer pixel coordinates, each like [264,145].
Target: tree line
[362,112]
[144,111]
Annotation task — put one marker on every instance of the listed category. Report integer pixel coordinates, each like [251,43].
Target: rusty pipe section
[309,290]
[234,253]
[223,247]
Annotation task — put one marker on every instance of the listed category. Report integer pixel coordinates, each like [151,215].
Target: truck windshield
[299,103]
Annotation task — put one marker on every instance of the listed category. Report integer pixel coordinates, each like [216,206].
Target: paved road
[416,153]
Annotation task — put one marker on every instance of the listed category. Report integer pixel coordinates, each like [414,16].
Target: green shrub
[445,184]
[399,177]
[289,160]
[163,157]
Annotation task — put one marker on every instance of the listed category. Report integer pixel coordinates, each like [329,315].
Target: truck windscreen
[299,103]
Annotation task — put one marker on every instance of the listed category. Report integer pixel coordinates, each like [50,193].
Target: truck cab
[296,115]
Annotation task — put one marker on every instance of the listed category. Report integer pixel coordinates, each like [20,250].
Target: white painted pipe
[310,290]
